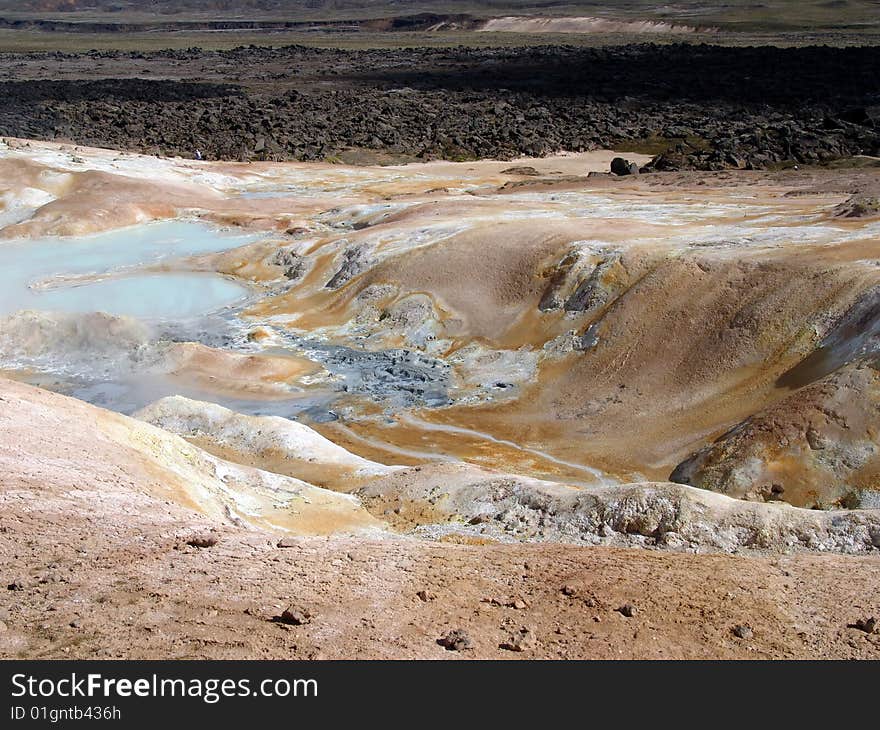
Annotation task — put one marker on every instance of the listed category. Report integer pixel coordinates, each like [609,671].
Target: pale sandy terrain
[584,24]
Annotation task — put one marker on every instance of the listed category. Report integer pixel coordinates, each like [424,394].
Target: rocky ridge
[801,105]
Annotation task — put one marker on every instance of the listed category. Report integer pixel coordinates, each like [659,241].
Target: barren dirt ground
[122,588]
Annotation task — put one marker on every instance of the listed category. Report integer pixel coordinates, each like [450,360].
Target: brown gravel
[134,590]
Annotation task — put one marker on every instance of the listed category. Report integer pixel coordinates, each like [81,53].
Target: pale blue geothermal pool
[26,266]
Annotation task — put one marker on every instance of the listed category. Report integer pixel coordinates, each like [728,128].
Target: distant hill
[731,15]
[177,7]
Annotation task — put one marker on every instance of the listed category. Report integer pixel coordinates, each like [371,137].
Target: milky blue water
[25,266]
[80,275]
[145,296]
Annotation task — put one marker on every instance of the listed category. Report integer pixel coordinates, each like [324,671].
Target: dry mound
[466,500]
[275,443]
[669,349]
[93,451]
[860,205]
[583,24]
[817,447]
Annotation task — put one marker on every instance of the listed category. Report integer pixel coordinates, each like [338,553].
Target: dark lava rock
[868,625]
[628,610]
[620,166]
[293,265]
[711,107]
[355,260]
[456,640]
[741,631]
